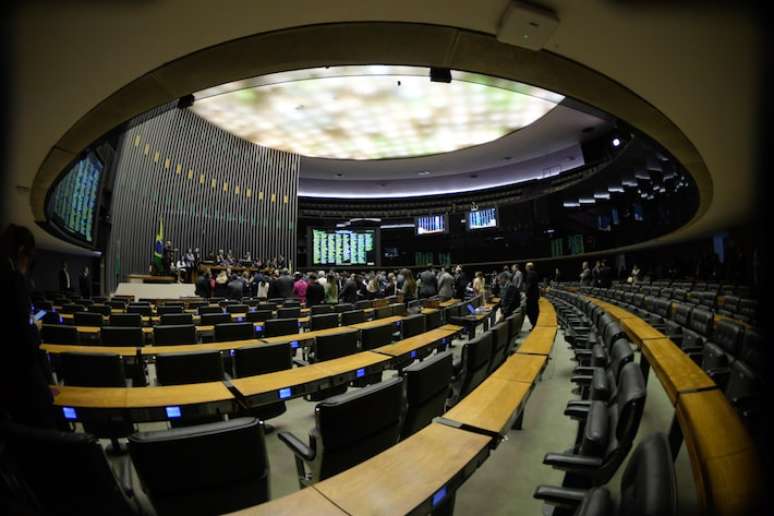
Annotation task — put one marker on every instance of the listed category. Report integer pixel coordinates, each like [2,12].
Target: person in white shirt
[321,279]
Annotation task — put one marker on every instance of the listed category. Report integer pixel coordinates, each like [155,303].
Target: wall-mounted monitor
[73,203]
[344,246]
[482,219]
[431,225]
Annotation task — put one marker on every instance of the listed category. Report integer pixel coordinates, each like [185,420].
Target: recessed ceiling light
[356,112]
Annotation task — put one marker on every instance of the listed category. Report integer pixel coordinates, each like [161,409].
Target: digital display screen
[471,309]
[69,413]
[344,247]
[431,224]
[391,252]
[39,315]
[73,202]
[294,344]
[360,373]
[284,393]
[173,412]
[482,219]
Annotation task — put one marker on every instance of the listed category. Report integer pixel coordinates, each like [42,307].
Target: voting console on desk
[182,412]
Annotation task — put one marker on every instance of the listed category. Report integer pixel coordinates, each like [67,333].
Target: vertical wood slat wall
[212,189]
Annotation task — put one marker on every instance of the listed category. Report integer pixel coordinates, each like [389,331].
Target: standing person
[605,275]
[532,291]
[64,278]
[299,287]
[479,283]
[391,288]
[188,263]
[167,259]
[262,290]
[635,274]
[518,281]
[84,282]
[595,274]
[429,284]
[445,285]
[221,284]
[315,293]
[510,298]
[321,279]
[409,286]
[203,285]
[585,275]
[283,286]
[25,396]
[460,283]
[506,272]
[331,290]
[235,287]
[557,276]
[349,290]
[372,288]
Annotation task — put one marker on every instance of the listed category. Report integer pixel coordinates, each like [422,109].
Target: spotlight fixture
[571,204]
[602,195]
[440,75]
[185,101]
[616,142]
[615,188]
[587,200]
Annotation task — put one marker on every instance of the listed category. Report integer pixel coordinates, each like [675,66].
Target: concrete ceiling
[699,67]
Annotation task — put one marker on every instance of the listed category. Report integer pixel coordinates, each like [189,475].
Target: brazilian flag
[158,248]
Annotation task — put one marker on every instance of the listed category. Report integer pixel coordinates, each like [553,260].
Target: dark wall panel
[212,190]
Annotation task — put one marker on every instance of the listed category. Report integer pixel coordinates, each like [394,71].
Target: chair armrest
[577,412]
[297,446]
[563,496]
[300,363]
[126,479]
[583,370]
[583,353]
[581,379]
[572,462]
[579,403]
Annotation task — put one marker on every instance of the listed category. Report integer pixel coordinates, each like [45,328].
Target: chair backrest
[343,307]
[362,305]
[262,359]
[100,309]
[89,487]
[259,315]
[92,369]
[322,321]
[116,303]
[122,336]
[321,309]
[475,362]
[398,309]
[71,308]
[682,314]
[179,479]
[87,319]
[139,309]
[352,317]
[237,308]
[328,347]
[611,332]
[500,333]
[174,334]
[293,312]
[649,482]
[434,320]
[662,307]
[189,367]
[169,309]
[354,427]
[728,336]
[209,309]
[266,306]
[427,387]
[59,334]
[214,318]
[701,321]
[412,325]
[376,336]
[234,331]
[277,327]
[133,320]
[169,319]
[515,323]
[52,318]
[381,313]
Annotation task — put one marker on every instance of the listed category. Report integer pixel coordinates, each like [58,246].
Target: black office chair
[722,351]
[99,309]
[189,367]
[43,305]
[698,332]
[234,331]
[427,387]
[87,319]
[515,323]
[321,309]
[139,309]
[398,309]
[266,306]
[648,487]
[173,335]
[122,336]
[259,316]
[383,312]
[89,486]
[211,319]
[59,334]
[278,327]
[176,319]
[178,478]
[500,334]
[601,382]
[262,359]
[209,309]
[289,312]
[291,303]
[434,320]
[124,320]
[119,304]
[237,309]
[71,308]
[352,317]
[349,429]
[52,318]
[745,387]
[328,347]
[377,336]
[412,325]
[473,366]
[323,321]
[169,309]
[343,307]
[608,432]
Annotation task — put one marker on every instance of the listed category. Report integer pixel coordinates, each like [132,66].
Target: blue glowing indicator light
[240,319]
[61,320]
[231,352]
[284,393]
[360,373]
[258,328]
[69,413]
[294,344]
[173,412]
[439,496]
[413,354]
[299,324]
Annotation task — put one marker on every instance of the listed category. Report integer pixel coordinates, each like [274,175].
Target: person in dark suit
[84,282]
[64,278]
[532,291]
[203,285]
[429,284]
[167,258]
[315,293]
[25,396]
[235,287]
[510,298]
[349,290]
[283,285]
[460,283]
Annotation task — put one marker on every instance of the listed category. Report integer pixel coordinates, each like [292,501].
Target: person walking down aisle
[533,294]
[460,283]
[445,285]
[510,298]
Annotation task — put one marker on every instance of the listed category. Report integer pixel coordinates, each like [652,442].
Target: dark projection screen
[344,246]
[73,202]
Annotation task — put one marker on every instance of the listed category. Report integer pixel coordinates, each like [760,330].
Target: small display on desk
[482,219]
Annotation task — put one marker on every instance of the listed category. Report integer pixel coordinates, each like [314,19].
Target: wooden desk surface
[351,362]
[332,331]
[129,351]
[448,302]
[401,478]
[540,341]
[90,397]
[306,502]
[520,368]
[639,330]
[547,315]
[725,463]
[491,405]
[160,396]
[204,346]
[676,371]
[418,341]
